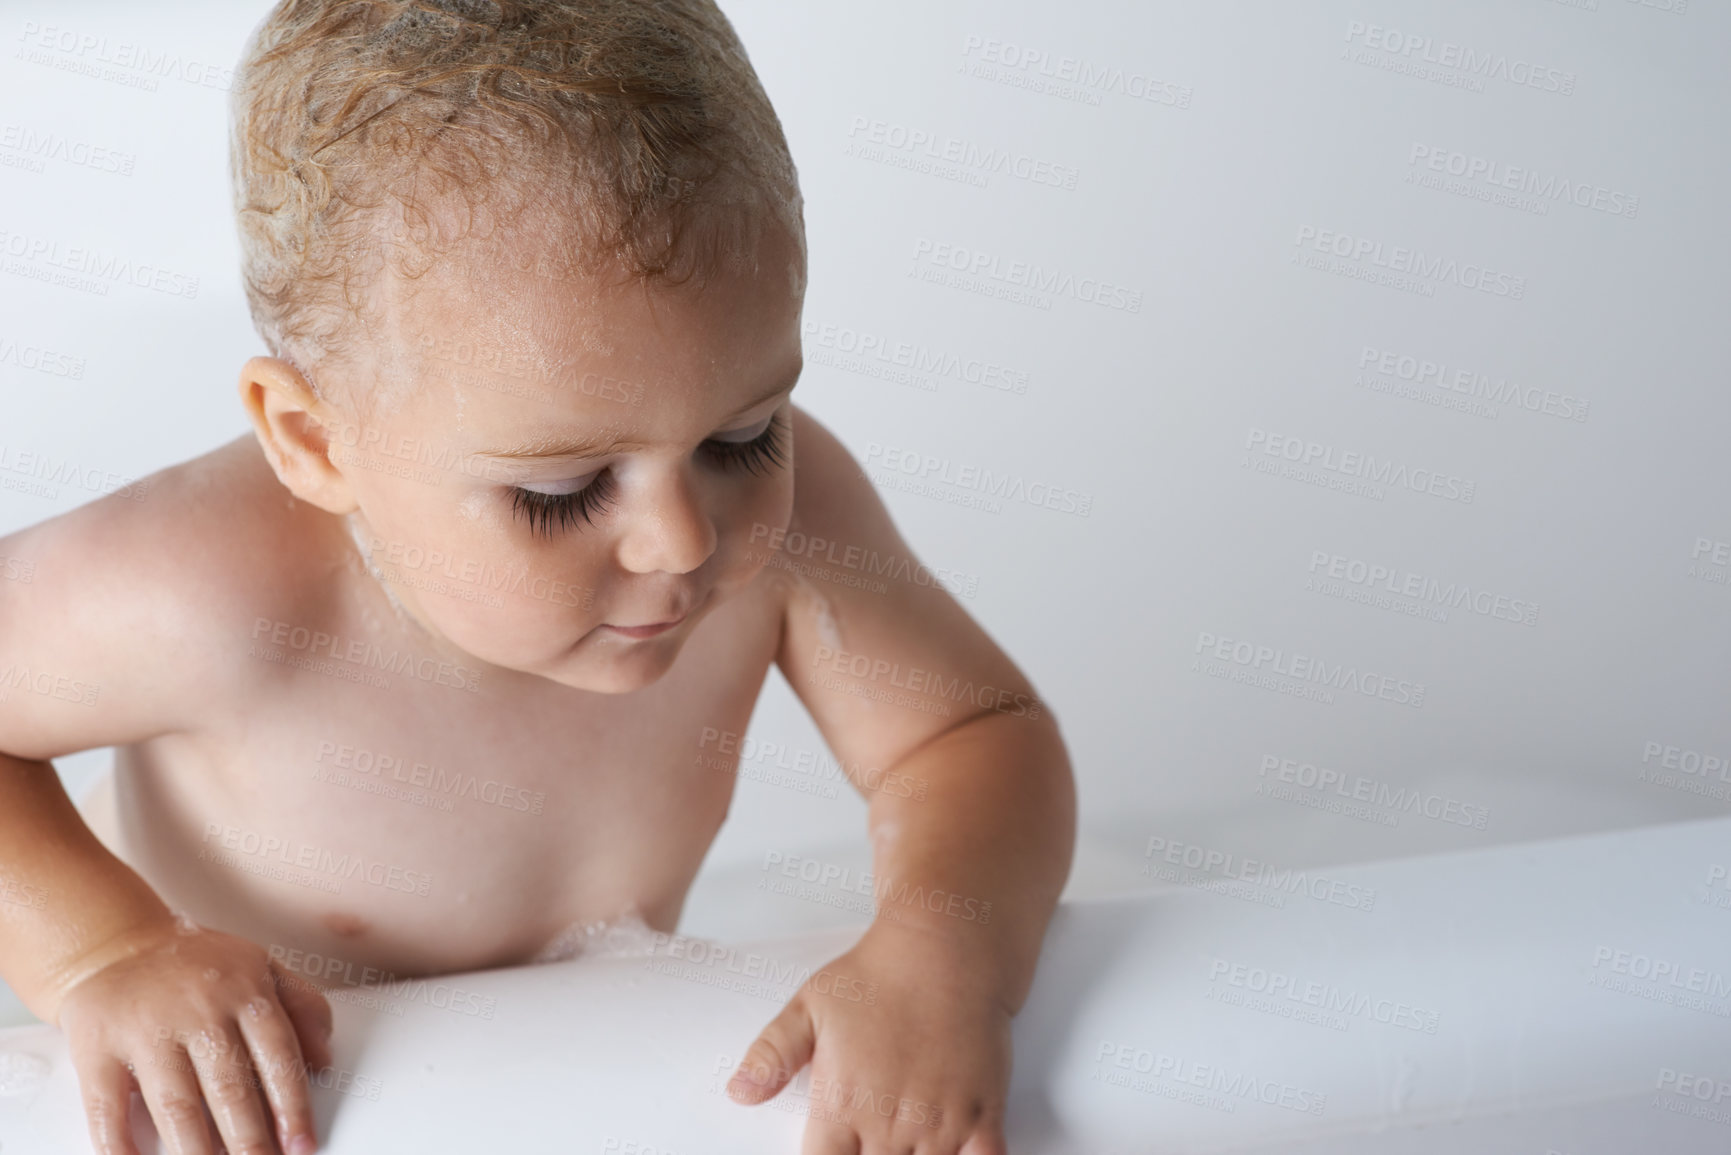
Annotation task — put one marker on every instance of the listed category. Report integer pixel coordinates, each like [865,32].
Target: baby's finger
[310,1013]
[107,1087]
[170,1088]
[987,1139]
[823,1137]
[276,1055]
[779,1052]
[232,1090]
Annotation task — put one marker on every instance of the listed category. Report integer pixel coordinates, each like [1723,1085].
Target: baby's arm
[972,817]
[90,656]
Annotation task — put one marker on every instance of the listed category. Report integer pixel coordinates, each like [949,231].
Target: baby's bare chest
[427,825]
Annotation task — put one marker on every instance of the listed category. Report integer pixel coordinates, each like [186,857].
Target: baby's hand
[191,1017]
[909,1052]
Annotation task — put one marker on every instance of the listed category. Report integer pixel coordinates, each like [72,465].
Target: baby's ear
[293,428]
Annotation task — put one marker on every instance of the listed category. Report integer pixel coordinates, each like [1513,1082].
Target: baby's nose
[667,530]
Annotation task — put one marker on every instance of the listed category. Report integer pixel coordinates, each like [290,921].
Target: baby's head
[531,273]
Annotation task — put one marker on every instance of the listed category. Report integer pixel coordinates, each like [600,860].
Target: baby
[507,546]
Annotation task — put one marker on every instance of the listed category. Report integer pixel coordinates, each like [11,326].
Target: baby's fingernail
[303,1145]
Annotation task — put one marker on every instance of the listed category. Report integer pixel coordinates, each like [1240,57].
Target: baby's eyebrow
[563,447]
[596,445]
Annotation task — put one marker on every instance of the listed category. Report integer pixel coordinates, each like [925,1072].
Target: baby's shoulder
[834,500]
[149,591]
[189,543]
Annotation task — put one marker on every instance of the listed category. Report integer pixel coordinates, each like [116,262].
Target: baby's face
[574,466]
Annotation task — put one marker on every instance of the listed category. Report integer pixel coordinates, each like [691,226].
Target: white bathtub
[1487,1001]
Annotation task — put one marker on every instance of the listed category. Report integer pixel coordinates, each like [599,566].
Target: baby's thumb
[779,1052]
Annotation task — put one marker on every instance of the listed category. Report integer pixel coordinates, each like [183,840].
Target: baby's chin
[619,676]
[594,668]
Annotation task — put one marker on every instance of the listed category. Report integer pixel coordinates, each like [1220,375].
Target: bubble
[183,923]
[258,1007]
[211,974]
[622,937]
[21,1073]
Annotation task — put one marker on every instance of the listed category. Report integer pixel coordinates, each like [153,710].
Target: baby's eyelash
[547,512]
[762,454]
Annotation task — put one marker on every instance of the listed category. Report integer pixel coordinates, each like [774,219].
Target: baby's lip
[651,630]
[666,621]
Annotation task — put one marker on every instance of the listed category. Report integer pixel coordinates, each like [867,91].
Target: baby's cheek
[764,518]
[518,632]
[520,601]
[742,559]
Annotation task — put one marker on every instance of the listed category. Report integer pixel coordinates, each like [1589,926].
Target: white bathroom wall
[1202,276]
[1385,344]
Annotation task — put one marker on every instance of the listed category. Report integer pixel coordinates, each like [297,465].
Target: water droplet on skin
[211,974]
[258,1007]
[183,923]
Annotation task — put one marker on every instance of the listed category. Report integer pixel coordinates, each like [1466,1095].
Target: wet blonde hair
[568,136]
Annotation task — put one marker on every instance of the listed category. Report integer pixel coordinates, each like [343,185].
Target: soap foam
[21,1073]
[623,937]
